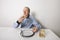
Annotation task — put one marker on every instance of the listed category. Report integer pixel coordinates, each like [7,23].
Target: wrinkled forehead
[25,8]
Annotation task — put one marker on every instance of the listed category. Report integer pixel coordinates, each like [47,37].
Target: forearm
[37,27]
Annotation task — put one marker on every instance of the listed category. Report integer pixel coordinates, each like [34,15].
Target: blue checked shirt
[28,23]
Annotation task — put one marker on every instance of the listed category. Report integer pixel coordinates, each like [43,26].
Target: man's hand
[21,19]
[34,29]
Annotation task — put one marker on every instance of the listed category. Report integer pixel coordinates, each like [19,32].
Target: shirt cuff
[18,22]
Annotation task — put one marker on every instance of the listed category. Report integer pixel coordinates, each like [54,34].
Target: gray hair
[28,9]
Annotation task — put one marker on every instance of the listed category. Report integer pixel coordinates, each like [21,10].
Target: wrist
[18,22]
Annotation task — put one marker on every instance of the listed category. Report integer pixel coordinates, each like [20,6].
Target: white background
[46,11]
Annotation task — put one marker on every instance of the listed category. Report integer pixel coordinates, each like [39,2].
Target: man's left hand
[34,29]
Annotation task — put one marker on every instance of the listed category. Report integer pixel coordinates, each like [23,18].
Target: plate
[27,33]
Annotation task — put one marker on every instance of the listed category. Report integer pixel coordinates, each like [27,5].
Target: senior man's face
[26,12]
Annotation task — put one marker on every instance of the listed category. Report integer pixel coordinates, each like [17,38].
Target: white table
[7,33]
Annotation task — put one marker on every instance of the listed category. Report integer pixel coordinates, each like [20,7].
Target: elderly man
[27,21]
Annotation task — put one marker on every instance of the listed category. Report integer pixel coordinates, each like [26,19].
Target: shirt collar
[28,16]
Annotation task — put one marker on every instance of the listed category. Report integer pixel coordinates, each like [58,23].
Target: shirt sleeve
[16,24]
[36,23]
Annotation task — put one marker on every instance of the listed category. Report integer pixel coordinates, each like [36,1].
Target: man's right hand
[21,19]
